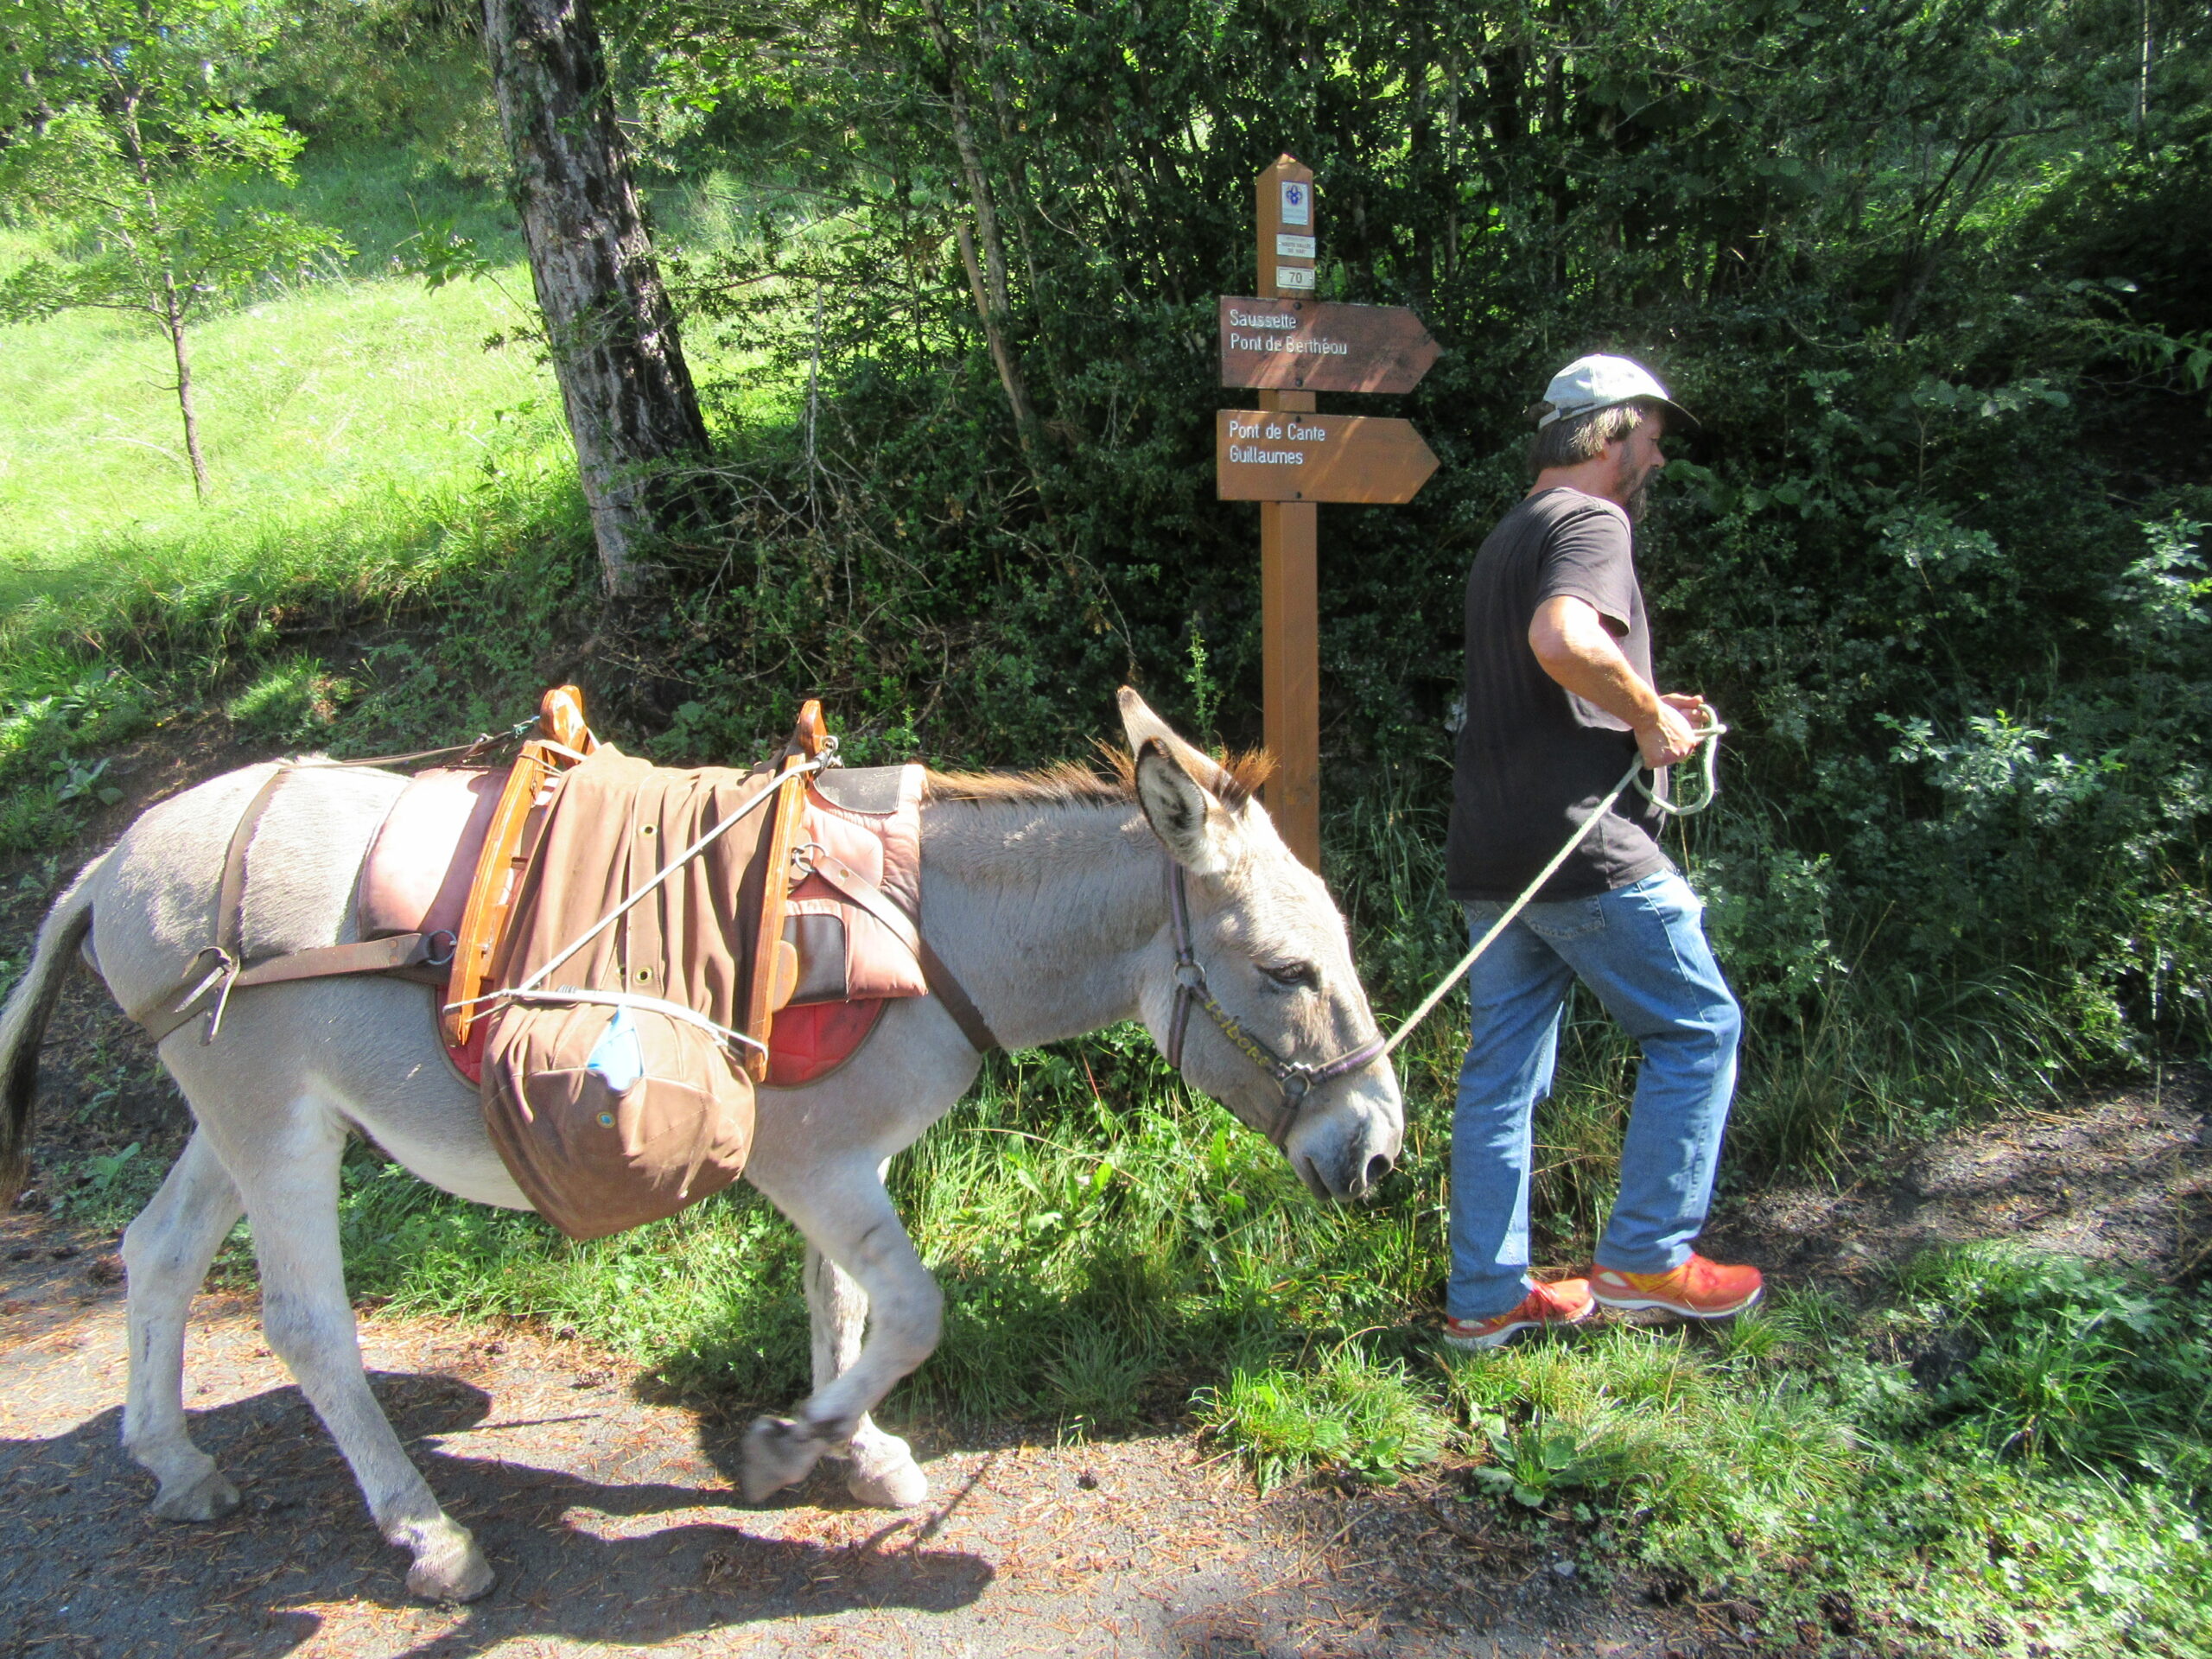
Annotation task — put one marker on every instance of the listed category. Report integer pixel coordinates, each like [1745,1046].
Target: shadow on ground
[584,1560]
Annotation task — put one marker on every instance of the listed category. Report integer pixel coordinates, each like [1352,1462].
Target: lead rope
[1709,736]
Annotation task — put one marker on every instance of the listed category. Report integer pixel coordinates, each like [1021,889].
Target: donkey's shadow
[90,1570]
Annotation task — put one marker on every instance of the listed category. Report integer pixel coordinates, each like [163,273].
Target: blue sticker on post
[1297,202]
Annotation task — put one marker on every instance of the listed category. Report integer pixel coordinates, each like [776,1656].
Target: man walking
[1560,698]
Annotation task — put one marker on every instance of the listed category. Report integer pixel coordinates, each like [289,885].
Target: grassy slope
[314,404]
[304,400]
[1108,1257]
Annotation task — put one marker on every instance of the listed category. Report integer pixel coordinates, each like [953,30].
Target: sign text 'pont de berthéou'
[1316,345]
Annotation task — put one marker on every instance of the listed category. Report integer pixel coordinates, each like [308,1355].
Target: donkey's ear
[1189,822]
[1141,726]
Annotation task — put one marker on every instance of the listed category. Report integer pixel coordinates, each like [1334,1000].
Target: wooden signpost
[1287,457]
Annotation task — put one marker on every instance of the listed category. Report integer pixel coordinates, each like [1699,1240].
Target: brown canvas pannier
[609,1117]
[617,1093]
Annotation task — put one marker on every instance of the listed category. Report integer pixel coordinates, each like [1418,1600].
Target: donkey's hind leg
[883,1473]
[291,1195]
[166,1252]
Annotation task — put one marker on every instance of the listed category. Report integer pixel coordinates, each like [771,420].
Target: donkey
[1062,902]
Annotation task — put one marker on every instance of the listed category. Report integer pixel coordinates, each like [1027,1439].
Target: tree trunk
[632,409]
[174,322]
[989,282]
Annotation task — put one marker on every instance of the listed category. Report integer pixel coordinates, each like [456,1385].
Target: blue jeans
[1642,950]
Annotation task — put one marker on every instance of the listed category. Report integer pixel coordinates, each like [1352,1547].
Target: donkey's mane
[1069,783]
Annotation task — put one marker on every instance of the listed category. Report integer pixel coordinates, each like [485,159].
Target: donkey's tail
[23,1023]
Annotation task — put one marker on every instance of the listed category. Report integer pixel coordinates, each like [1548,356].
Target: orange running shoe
[1563,1302]
[1699,1289]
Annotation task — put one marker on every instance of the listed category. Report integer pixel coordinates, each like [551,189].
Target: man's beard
[1638,500]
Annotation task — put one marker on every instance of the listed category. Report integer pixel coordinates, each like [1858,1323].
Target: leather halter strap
[1293,1080]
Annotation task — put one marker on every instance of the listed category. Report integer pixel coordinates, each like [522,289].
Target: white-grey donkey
[1052,898]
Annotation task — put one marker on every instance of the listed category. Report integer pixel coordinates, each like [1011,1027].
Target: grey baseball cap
[1600,382]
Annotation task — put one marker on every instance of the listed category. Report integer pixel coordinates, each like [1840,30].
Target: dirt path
[2125,1177]
[611,1515]
[613,1522]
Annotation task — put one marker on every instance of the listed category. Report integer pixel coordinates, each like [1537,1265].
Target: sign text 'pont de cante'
[1268,454]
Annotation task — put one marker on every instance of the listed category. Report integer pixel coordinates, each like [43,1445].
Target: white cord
[1709,734]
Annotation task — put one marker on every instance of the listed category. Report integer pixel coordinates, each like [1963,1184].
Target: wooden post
[1290,627]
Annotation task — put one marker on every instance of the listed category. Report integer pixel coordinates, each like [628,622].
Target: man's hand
[1671,734]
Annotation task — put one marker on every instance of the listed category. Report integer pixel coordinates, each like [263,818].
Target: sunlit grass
[304,399]
[319,403]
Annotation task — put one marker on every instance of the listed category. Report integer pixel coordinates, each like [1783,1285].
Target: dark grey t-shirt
[1533,759]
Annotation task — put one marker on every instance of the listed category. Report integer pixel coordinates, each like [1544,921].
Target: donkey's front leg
[840,1204]
[883,1473]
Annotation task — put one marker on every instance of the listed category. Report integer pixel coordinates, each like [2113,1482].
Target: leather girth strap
[943,985]
[230,971]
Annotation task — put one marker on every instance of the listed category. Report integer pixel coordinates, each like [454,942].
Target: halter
[1294,1080]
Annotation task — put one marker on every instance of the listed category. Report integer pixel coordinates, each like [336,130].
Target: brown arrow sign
[1319,345]
[1273,454]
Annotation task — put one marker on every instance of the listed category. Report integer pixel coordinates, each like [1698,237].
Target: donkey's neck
[1043,910]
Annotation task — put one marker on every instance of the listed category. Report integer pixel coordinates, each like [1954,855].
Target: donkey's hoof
[778,1452]
[449,1566]
[885,1476]
[201,1498]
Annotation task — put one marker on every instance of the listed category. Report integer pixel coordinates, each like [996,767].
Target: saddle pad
[416,877]
[810,1041]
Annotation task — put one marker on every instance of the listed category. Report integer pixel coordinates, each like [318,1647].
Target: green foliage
[1909,264]
[128,152]
[54,715]
[2071,1367]
[155,234]
[1348,1413]
[292,701]
[372,73]
[709,1292]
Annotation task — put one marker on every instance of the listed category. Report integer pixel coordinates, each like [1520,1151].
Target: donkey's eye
[1292,973]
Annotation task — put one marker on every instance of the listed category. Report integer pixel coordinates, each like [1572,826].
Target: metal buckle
[803,860]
